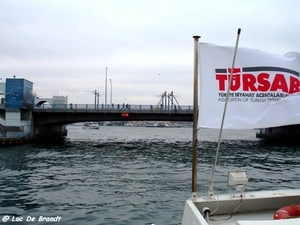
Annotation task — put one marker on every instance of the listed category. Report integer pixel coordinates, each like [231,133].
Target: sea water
[131,175]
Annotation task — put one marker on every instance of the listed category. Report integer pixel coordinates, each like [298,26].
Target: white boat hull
[92,125]
[256,208]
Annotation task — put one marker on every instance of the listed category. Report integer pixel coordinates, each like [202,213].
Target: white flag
[265,89]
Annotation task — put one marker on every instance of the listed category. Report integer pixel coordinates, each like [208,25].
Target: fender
[287,212]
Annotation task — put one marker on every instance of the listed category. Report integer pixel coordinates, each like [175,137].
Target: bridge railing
[116,107]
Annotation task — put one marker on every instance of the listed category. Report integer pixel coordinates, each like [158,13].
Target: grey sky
[64,46]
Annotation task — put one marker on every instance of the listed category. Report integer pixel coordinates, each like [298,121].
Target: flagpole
[195,119]
[211,184]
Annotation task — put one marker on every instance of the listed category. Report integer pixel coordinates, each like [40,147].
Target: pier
[285,134]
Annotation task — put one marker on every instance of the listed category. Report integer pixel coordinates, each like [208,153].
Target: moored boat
[164,125]
[159,125]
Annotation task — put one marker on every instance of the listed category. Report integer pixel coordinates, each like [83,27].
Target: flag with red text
[264,92]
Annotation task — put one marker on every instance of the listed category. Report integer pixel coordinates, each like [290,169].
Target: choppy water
[131,175]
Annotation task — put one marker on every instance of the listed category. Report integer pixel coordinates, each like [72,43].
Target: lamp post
[95,93]
[98,97]
[110,92]
[106,87]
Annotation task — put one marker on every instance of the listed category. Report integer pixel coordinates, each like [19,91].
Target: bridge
[62,114]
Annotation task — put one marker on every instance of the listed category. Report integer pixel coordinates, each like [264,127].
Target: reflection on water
[132,175]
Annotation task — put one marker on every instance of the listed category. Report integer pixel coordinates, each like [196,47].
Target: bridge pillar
[50,131]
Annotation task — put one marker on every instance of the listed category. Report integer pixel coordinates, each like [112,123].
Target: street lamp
[98,97]
[96,93]
[106,87]
[110,92]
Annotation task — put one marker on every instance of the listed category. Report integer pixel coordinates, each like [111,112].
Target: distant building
[15,108]
[54,102]
[16,103]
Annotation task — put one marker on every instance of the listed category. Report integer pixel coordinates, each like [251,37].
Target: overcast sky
[65,46]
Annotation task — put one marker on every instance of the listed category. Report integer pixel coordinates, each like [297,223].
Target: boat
[164,125]
[159,125]
[91,125]
[238,206]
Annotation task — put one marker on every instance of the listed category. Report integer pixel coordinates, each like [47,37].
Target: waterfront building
[16,106]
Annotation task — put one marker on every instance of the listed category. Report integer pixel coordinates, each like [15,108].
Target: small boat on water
[91,125]
[159,125]
[164,125]
[238,207]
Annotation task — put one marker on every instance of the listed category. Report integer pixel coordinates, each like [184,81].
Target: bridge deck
[84,113]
